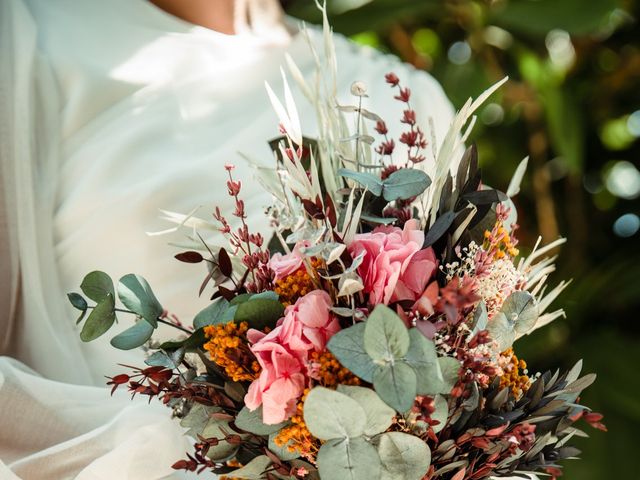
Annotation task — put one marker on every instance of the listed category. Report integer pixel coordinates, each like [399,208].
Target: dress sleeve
[17,45]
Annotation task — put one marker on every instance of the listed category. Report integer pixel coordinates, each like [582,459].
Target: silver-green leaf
[97,285]
[251,421]
[518,315]
[385,337]
[212,314]
[403,456]
[133,337]
[136,294]
[404,184]
[100,320]
[329,414]
[379,414]
[254,470]
[348,347]
[396,384]
[349,459]
[422,357]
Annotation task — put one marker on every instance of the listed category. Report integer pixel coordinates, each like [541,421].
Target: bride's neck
[218,15]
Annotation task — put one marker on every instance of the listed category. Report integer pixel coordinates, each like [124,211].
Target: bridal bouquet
[373,337]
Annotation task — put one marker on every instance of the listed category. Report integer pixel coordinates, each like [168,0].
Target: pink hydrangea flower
[284,265]
[394,267]
[284,353]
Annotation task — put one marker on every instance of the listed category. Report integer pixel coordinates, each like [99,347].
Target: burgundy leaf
[189,257]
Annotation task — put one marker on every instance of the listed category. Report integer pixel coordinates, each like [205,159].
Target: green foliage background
[575,71]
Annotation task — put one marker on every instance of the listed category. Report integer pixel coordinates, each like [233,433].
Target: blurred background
[573,106]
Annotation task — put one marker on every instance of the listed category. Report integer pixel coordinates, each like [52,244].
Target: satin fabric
[111,111]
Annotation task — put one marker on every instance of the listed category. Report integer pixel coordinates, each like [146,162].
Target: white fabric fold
[110,111]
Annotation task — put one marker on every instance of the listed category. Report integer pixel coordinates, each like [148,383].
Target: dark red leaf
[189,257]
[224,263]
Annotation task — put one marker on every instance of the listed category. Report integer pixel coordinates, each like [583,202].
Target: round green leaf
[97,285]
[212,314]
[379,414]
[441,413]
[136,294]
[134,336]
[330,414]
[405,183]
[100,320]
[396,384]
[518,315]
[450,368]
[385,336]
[521,308]
[422,357]
[251,421]
[348,347]
[200,421]
[254,470]
[349,459]
[259,313]
[283,452]
[403,456]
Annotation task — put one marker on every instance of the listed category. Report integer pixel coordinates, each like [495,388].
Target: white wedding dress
[110,111]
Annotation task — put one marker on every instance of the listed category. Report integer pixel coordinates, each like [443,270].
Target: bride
[110,111]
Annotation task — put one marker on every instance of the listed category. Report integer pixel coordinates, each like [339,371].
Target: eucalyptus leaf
[372,182]
[133,337]
[77,301]
[100,319]
[254,470]
[404,184]
[403,456]
[211,315]
[422,357]
[385,337]
[251,421]
[378,220]
[271,295]
[242,298]
[441,413]
[259,313]
[330,414]
[193,342]
[168,360]
[396,384]
[200,421]
[349,459]
[379,414]
[283,452]
[81,316]
[518,315]
[97,285]
[136,294]
[348,347]
[450,368]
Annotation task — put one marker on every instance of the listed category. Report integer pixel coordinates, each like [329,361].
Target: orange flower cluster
[329,373]
[514,376]
[228,348]
[297,436]
[296,285]
[499,242]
